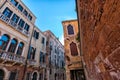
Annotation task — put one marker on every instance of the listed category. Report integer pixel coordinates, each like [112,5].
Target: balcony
[31,62]
[42,65]
[13,24]
[11,57]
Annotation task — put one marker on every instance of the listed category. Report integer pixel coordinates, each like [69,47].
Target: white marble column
[17,47]
[8,44]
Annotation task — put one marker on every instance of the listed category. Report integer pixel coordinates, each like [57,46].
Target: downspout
[81,42]
[25,67]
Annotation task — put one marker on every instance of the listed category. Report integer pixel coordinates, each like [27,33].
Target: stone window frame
[15,18]
[4,46]
[74,52]
[70,30]
[7,12]
[31,54]
[14,2]
[20,8]
[13,45]
[20,49]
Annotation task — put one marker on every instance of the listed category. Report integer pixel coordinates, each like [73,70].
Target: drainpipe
[25,67]
[81,42]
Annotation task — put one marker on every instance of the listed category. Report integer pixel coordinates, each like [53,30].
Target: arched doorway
[34,76]
[1,74]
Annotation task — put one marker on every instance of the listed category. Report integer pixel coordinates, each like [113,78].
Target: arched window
[70,29]
[1,74]
[12,46]
[20,48]
[4,40]
[73,48]
[34,76]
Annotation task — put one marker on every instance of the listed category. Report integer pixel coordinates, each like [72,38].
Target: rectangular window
[50,71]
[21,23]
[51,47]
[31,54]
[43,40]
[7,12]
[25,13]
[41,57]
[28,76]
[29,17]
[15,18]
[14,2]
[36,34]
[26,27]
[13,76]
[40,76]
[20,8]
[55,50]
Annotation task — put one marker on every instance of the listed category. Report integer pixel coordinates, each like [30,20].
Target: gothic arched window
[20,48]
[13,45]
[73,49]
[70,29]
[34,76]
[4,40]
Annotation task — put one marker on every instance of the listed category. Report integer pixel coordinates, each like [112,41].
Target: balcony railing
[7,56]
[31,62]
[42,65]
[13,24]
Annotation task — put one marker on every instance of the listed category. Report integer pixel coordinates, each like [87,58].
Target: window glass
[14,2]
[29,17]
[41,57]
[12,46]
[43,40]
[25,13]
[73,48]
[21,23]
[31,54]
[34,76]
[2,74]
[20,8]
[40,76]
[20,48]
[36,34]
[28,76]
[4,41]
[26,27]
[70,30]
[12,76]
[15,18]
[7,12]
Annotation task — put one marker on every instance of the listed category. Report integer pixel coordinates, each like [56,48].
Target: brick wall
[100,38]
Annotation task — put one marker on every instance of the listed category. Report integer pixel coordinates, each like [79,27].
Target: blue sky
[50,14]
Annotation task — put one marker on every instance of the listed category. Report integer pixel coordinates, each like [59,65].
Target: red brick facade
[99,25]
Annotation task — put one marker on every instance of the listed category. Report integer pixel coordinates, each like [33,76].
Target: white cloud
[62,39]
